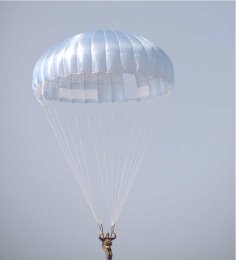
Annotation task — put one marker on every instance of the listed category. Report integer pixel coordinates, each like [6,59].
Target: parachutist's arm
[112,228]
[101,237]
[113,236]
[101,227]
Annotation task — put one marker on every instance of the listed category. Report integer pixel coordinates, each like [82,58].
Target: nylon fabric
[98,61]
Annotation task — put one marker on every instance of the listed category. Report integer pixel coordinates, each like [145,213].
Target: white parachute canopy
[86,85]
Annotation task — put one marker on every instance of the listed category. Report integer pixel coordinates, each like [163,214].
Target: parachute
[92,88]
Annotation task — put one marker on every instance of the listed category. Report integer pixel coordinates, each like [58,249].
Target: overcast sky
[182,204]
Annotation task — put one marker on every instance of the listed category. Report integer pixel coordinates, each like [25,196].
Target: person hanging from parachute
[107,241]
[91,68]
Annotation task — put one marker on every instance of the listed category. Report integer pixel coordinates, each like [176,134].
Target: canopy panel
[90,67]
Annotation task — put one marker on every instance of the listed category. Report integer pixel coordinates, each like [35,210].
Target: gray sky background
[182,204]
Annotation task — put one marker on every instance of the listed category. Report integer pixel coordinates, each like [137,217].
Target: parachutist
[107,241]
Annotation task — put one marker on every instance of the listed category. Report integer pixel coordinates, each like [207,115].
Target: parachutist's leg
[108,252]
[105,251]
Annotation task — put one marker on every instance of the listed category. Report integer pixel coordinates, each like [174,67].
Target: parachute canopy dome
[90,68]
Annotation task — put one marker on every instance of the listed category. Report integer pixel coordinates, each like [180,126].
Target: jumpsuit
[106,245]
